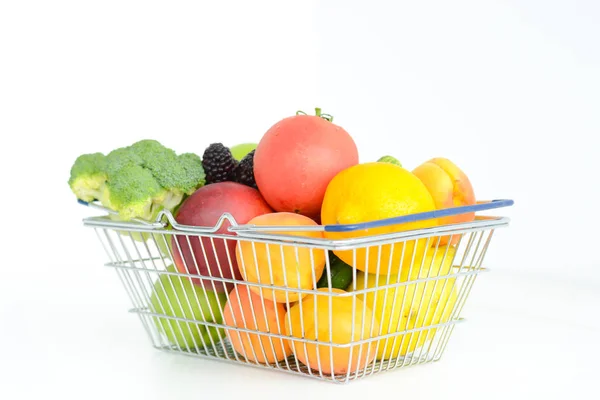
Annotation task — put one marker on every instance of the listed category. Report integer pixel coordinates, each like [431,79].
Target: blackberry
[218,163]
[244,171]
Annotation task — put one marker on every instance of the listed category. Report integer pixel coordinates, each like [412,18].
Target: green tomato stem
[318,113]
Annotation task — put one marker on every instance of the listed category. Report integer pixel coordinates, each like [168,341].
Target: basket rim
[226,227]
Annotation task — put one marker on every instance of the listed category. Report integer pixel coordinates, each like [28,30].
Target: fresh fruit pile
[304,172]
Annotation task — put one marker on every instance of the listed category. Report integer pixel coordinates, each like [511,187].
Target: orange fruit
[370,192]
[287,267]
[246,309]
[332,320]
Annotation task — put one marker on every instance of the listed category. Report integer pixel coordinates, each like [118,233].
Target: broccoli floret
[139,180]
[161,161]
[194,176]
[120,158]
[88,176]
[131,192]
[179,175]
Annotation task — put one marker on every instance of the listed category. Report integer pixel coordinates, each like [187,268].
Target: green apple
[163,242]
[240,150]
[177,296]
[391,160]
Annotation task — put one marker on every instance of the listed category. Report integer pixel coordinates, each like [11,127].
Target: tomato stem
[327,117]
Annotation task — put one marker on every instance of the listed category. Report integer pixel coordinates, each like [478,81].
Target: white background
[508,90]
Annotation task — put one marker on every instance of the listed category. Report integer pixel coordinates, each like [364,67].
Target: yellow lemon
[373,191]
[410,306]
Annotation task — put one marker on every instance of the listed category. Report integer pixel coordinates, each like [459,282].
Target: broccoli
[131,190]
[88,175]
[194,172]
[137,181]
[179,176]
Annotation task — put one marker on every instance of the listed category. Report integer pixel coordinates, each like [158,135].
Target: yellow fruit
[309,319]
[410,306]
[374,191]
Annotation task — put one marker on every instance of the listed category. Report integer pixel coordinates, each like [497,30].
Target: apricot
[245,309]
[450,187]
[287,267]
[310,319]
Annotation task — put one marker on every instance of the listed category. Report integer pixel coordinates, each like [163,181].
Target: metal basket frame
[140,263]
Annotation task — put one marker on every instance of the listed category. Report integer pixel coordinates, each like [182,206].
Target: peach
[450,187]
[245,309]
[287,267]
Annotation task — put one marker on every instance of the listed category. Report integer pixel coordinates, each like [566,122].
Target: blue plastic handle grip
[446,212]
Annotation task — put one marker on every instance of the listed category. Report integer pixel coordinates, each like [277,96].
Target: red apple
[214,257]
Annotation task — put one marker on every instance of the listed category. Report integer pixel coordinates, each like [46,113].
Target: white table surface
[525,337]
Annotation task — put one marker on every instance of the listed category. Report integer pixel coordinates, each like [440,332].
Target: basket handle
[446,212]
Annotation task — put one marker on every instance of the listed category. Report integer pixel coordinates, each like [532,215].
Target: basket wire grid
[401,312]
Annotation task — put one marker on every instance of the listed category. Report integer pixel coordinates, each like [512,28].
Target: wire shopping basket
[271,298]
